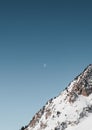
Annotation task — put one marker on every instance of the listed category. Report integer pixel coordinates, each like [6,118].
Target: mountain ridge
[67,109]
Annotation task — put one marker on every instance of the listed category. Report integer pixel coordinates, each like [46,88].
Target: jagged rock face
[74,103]
[82,84]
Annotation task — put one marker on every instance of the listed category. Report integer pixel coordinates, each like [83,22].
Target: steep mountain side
[69,108]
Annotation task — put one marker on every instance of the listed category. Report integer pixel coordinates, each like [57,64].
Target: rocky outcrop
[82,84]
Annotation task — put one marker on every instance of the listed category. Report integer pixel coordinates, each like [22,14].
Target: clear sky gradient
[44,44]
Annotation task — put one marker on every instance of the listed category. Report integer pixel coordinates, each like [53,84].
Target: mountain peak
[88,69]
[67,109]
[82,84]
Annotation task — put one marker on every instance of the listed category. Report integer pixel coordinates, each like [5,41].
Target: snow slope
[71,110]
[85,124]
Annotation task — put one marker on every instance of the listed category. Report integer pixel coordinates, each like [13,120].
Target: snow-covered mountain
[71,110]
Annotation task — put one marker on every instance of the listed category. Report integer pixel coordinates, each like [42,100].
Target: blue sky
[43,46]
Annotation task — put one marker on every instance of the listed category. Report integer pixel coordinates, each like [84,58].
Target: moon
[44,65]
